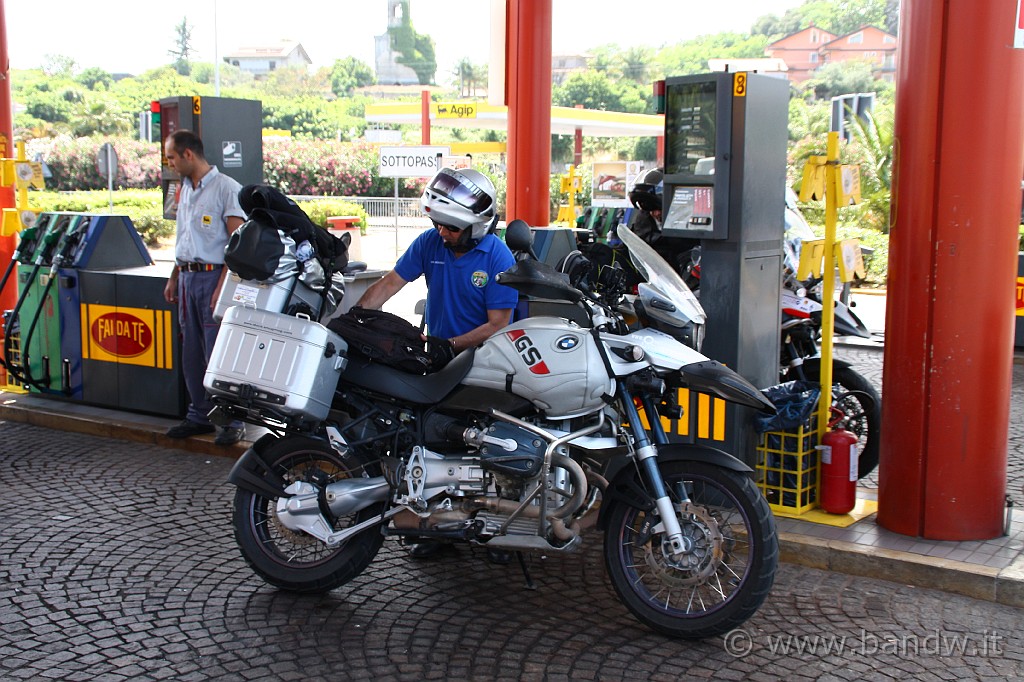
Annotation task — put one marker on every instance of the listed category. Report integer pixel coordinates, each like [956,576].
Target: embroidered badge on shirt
[207,221]
[480,279]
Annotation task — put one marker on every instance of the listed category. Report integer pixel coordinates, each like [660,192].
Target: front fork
[647,462]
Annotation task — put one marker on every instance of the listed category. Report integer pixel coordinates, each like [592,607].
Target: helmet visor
[461,190]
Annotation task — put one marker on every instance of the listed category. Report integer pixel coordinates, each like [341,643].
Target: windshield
[660,275]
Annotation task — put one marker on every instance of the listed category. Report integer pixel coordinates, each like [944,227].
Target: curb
[1004,586]
[75,418]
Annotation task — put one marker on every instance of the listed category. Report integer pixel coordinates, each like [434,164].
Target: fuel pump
[725,167]
[48,246]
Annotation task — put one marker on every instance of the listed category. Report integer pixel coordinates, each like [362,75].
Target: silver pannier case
[284,366]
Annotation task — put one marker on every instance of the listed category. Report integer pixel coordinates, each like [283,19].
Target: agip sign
[411,162]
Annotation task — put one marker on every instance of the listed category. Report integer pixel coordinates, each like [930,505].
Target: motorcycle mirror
[518,236]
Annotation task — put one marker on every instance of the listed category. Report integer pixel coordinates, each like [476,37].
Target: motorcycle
[510,446]
[856,404]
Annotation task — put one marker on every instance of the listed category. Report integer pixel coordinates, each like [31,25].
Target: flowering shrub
[319,167]
[72,162]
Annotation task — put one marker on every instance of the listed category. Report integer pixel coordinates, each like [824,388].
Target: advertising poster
[612,182]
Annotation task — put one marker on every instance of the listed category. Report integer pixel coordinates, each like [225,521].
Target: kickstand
[526,572]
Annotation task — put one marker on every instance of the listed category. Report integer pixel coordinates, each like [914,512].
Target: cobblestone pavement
[868,361]
[117,562]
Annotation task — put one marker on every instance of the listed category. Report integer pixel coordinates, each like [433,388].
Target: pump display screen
[690,112]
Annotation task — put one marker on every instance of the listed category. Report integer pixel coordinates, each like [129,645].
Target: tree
[873,142]
[182,50]
[59,65]
[348,74]
[294,81]
[836,16]
[841,78]
[95,79]
[591,89]
[635,64]
[692,56]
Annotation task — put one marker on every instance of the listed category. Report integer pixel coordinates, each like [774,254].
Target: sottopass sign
[411,162]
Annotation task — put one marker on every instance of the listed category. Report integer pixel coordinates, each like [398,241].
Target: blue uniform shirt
[460,291]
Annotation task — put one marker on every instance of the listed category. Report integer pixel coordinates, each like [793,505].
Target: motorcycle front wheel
[861,412]
[721,580]
[293,560]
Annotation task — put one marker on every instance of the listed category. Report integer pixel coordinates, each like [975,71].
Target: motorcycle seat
[417,388]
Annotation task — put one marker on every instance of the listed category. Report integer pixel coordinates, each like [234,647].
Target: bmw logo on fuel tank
[567,342]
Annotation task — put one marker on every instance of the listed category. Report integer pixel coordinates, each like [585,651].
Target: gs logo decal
[480,279]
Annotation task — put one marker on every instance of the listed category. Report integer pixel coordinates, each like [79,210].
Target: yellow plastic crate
[787,470]
[7,382]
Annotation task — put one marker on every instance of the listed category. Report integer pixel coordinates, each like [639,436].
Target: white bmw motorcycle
[512,444]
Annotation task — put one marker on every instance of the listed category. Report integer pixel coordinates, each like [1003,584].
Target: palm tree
[635,63]
[465,75]
[874,135]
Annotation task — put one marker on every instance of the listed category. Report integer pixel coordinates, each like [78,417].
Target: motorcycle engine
[512,455]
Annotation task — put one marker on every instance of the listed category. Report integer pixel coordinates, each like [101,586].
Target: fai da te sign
[411,162]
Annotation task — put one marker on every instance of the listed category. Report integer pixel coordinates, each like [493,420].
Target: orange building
[807,50]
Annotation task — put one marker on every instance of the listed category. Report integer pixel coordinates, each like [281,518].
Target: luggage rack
[226,411]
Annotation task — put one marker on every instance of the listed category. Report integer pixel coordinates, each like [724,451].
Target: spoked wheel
[725,573]
[860,412]
[294,560]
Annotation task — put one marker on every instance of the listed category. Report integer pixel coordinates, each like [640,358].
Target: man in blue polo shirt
[459,258]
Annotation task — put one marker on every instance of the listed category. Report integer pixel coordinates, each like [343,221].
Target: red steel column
[425,117]
[952,263]
[9,296]
[528,83]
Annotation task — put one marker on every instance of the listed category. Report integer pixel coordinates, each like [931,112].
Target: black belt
[199,267]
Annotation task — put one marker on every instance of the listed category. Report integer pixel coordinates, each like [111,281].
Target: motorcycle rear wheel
[295,561]
[722,581]
[861,406]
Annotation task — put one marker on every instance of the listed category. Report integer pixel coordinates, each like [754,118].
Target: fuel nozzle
[65,248]
[49,242]
[26,244]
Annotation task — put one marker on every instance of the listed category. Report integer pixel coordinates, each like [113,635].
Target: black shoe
[501,557]
[426,549]
[229,435]
[187,429]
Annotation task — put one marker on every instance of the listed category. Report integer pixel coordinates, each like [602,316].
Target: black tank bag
[390,340]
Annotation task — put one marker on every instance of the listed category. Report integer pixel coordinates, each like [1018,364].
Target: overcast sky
[128,36]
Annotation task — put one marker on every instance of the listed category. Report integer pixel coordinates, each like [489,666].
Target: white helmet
[461,199]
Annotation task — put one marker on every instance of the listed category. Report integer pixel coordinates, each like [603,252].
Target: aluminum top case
[285,367]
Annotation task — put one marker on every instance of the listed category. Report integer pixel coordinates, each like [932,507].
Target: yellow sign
[848,185]
[812,251]
[850,259]
[813,184]
[739,84]
[197,106]
[30,173]
[1020,296]
[129,336]
[455,110]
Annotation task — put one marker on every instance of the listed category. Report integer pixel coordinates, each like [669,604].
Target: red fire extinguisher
[838,471]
